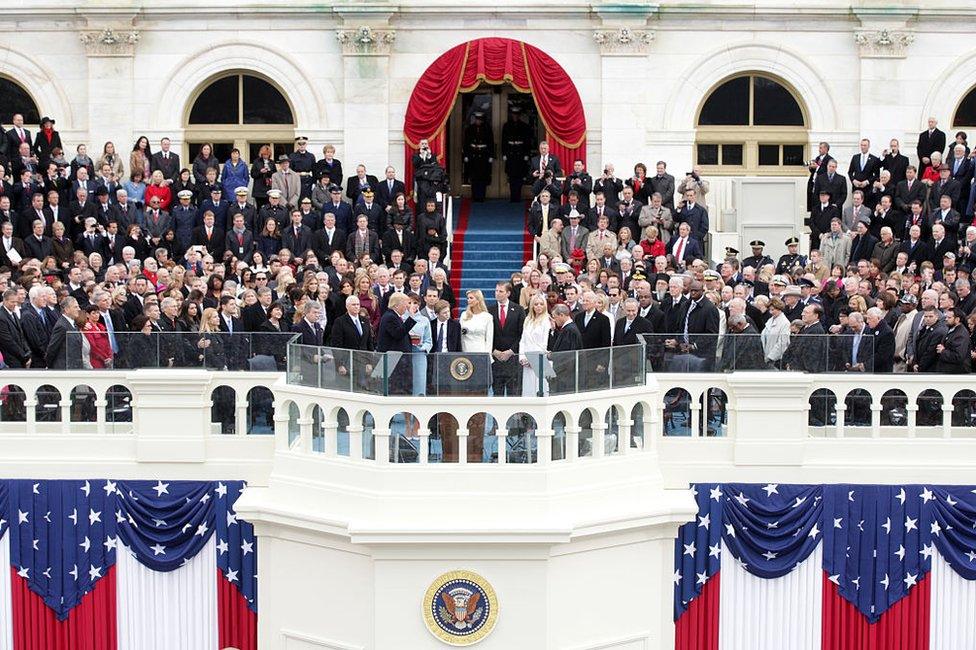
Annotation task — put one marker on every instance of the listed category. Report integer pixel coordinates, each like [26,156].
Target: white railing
[330,424]
[447,205]
[59,423]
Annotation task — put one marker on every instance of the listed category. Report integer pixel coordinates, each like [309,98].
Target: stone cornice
[366,41]
[109,41]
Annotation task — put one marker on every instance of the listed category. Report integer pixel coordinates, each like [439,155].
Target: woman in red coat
[96,335]
[159,187]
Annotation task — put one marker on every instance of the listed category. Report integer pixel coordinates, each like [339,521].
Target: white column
[110,89]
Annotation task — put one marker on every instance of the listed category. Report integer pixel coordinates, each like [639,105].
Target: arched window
[15,99]
[966,112]
[240,110]
[751,123]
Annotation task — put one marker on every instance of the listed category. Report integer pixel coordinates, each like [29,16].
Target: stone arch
[776,60]
[955,81]
[38,81]
[203,66]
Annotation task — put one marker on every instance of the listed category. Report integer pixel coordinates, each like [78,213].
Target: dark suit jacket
[508,337]
[884,347]
[896,165]
[955,359]
[13,141]
[63,350]
[353,188]
[640,326]
[871,168]
[383,194]
[952,188]
[905,195]
[241,251]
[38,249]
[391,243]
[373,246]
[376,217]
[836,186]
[696,217]
[929,143]
[253,316]
[18,245]
[917,253]
[862,247]
[170,167]
[453,334]
[323,245]
[297,245]
[612,217]
[345,336]
[214,245]
[393,333]
[821,217]
[308,334]
[553,165]
[597,334]
[16,353]
[37,334]
[693,249]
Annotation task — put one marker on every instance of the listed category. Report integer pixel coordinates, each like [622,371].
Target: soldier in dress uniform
[479,153]
[517,147]
[274,209]
[757,260]
[787,263]
[303,164]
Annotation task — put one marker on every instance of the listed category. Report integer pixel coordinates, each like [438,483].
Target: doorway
[495,103]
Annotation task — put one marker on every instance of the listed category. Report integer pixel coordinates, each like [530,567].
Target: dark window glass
[728,105]
[965,115]
[263,104]
[708,154]
[793,155]
[769,154]
[774,105]
[14,99]
[731,154]
[221,150]
[217,104]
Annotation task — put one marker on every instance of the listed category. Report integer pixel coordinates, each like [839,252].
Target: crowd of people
[126,261]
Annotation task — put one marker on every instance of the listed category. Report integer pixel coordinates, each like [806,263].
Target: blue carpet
[493,246]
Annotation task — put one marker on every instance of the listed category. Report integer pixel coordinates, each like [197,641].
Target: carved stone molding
[366,41]
[110,42]
[884,43]
[623,40]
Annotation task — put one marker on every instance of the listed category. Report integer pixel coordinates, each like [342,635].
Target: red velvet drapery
[495,61]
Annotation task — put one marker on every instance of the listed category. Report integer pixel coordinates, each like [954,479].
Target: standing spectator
[776,334]
[508,320]
[953,349]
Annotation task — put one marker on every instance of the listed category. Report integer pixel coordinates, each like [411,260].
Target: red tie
[680,250]
[501,315]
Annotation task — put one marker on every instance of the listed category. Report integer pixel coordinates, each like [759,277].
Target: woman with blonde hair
[112,159]
[533,346]
[477,334]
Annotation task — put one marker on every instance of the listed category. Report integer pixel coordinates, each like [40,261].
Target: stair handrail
[447,205]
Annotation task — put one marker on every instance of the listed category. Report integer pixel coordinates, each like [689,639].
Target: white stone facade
[860,67]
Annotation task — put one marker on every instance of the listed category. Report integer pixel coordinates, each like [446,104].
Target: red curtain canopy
[495,61]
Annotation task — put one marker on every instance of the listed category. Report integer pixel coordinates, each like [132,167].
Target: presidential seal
[460,608]
[462,368]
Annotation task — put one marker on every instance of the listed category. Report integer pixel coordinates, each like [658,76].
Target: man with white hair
[884,340]
[961,169]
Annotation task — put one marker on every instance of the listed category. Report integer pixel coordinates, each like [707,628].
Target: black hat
[101,190]
[757,243]
[283,158]
[806,282]
[827,192]
[301,139]
[793,241]
[45,120]
[730,252]
[334,188]
[662,277]
[965,267]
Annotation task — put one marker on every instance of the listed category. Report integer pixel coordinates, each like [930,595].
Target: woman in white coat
[776,335]
[533,345]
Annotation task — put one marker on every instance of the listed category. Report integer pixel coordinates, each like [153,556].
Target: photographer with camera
[610,185]
[694,181]
[580,181]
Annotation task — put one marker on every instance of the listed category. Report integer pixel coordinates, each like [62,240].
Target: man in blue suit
[695,216]
[393,335]
[342,210]
[683,247]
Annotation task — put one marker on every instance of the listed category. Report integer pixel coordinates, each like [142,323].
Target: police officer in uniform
[274,209]
[303,164]
[517,146]
[787,263]
[757,260]
[479,153]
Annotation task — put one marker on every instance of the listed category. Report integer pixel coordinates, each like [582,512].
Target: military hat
[367,191]
[562,267]
[757,243]
[748,282]
[792,290]
[274,194]
[780,280]
[949,255]
[807,282]
[215,189]
[101,190]
[515,109]
[638,276]
[908,299]
[301,139]
[240,190]
[334,188]
[793,241]
[711,274]
[730,252]
[185,194]
[283,158]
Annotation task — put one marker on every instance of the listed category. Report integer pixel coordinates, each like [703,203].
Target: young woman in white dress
[533,345]
[477,334]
